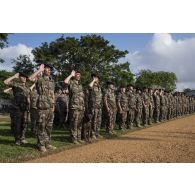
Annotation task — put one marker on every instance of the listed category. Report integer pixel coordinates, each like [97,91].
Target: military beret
[110,83]
[22,74]
[95,75]
[49,66]
[46,65]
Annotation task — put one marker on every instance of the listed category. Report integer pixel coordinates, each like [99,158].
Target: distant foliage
[3,42]
[161,79]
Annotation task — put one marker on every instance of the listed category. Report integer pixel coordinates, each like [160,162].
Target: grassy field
[9,152]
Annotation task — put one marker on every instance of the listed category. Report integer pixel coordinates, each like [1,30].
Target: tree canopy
[23,64]
[4,75]
[147,78]
[89,54]
[3,42]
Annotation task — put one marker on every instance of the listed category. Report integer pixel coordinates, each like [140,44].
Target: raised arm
[67,80]
[92,82]
[35,74]
[8,81]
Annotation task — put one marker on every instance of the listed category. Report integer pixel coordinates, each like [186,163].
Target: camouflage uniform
[151,108]
[179,105]
[146,102]
[95,106]
[162,108]
[169,107]
[122,98]
[77,108]
[132,108]
[166,106]
[157,107]
[33,111]
[20,109]
[45,108]
[62,108]
[139,107]
[86,132]
[110,97]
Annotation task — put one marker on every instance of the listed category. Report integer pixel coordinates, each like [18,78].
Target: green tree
[4,75]
[147,78]
[3,42]
[23,64]
[90,53]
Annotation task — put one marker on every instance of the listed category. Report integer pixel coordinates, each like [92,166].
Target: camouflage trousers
[138,116]
[170,113]
[76,119]
[110,120]
[130,117]
[96,121]
[165,112]
[162,113]
[12,120]
[19,124]
[44,126]
[122,120]
[33,119]
[151,113]
[145,115]
[157,113]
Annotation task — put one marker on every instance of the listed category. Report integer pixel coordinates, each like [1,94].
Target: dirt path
[173,141]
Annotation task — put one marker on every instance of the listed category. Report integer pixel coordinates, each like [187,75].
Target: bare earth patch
[173,141]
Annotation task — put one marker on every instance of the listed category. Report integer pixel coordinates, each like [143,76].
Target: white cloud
[164,53]
[13,52]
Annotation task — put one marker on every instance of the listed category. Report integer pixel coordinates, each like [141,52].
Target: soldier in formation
[20,106]
[82,107]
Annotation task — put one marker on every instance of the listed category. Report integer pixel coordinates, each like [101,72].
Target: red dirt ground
[173,141]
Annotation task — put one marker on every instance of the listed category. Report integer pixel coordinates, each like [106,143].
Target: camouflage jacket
[76,96]
[139,101]
[33,99]
[95,97]
[166,100]
[122,98]
[131,100]
[156,101]
[162,100]
[20,96]
[45,88]
[151,98]
[110,97]
[146,99]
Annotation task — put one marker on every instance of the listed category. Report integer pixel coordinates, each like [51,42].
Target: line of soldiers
[89,110]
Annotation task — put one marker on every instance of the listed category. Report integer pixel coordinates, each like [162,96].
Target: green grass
[9,152]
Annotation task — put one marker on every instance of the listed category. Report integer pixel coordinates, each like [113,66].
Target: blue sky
[130,41]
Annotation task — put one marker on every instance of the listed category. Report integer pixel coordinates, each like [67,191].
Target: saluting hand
[73,73]
[41,67]
[17,75]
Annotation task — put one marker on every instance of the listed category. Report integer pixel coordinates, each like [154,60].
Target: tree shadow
[5,132]
[65,138]
[7,142]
